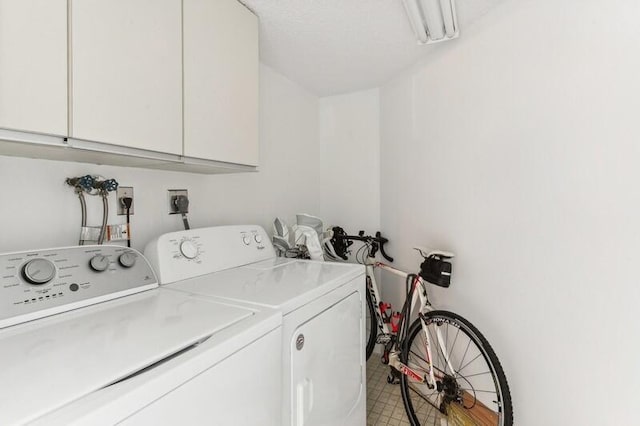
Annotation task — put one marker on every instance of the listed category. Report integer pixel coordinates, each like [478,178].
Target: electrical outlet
[124,191]
[171,195]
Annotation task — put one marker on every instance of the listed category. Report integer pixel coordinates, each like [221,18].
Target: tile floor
[384,402]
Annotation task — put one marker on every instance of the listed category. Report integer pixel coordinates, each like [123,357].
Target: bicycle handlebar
[382,242]
[379,240]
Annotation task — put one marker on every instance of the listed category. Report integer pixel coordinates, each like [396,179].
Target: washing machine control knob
[246,240]
[39,271]
[99,263]
[258,238]
[127,259]
[188,249]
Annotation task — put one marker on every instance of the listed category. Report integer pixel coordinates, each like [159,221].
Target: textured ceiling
[336,46]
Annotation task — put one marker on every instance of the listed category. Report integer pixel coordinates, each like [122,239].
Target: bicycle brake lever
[382,242]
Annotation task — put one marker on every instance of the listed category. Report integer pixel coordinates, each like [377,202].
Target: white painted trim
[34,138]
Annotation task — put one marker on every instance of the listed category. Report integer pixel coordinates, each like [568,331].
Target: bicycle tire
[459,398]
[371,322]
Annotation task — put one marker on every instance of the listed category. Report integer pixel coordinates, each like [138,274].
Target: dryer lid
[275,283]
[50,362]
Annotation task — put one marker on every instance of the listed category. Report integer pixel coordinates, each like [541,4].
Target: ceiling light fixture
[433,21]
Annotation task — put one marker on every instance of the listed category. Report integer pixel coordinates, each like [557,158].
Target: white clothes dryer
[322,304]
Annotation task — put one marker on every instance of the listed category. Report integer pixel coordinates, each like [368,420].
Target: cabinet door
[127,73]
[221,74]
[33,65]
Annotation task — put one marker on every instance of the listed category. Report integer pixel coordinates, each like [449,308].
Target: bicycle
[447,370]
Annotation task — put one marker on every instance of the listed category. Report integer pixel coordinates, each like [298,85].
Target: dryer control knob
[127,259]
[188,249]
[246,240]
[258,238]
[99,263]
[39,271]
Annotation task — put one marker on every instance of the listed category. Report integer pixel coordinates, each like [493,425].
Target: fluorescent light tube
[415,18]
[448,8]
[432,20]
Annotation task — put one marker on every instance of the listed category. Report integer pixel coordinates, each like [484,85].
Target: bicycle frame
[424,306]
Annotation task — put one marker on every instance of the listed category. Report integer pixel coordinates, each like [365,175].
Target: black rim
[371,324]
[470,381]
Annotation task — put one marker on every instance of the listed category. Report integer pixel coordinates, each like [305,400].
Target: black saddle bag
[436,270]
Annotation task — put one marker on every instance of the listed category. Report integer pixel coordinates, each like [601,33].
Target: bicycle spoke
[418,356]
[476,390]
[437,352]
[455,340]
[444,356]
[467,364]
[420,345]
[465,355]
[466,376]
[446,339]
[426,402]
[421,395]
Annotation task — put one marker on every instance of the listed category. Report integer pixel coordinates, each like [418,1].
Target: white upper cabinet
[126,73]
[33,65]
[221,73]
[174,82]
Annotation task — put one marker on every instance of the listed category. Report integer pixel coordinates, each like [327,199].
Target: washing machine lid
[278,283]
[48,363]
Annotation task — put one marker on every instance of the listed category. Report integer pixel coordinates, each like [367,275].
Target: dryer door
[326,358]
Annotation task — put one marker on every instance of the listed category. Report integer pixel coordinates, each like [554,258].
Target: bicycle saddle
[439,253]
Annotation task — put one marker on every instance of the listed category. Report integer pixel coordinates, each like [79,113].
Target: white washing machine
[87,337]
[322,305]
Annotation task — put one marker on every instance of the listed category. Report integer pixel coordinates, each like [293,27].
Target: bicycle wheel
[471,388]
[372,324]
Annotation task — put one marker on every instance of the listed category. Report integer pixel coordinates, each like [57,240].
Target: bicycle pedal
[392,380]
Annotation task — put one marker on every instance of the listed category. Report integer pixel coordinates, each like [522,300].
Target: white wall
[517,147]
[39,210]
[350,160]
